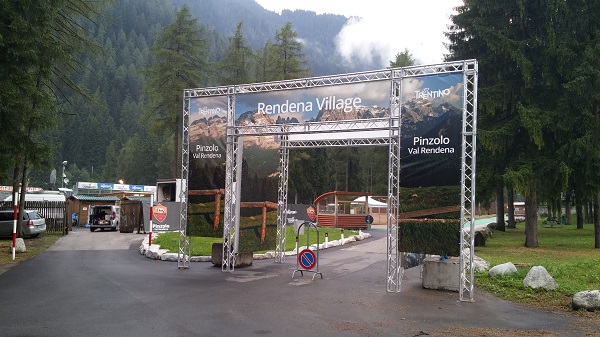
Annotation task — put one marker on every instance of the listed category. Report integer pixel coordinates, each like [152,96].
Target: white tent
[372,202]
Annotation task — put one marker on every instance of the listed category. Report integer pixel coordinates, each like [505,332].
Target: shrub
[430,236]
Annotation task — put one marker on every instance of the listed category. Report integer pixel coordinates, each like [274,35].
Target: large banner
[430,162]
[208,142]
[355,101]
[431,126]
[320,104]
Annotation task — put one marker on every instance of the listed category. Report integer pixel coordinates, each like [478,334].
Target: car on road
[33,223]
[104,217]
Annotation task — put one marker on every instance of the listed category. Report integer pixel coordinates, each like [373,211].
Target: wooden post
[217,210]
[263,232]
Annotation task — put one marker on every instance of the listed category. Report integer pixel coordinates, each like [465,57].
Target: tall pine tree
[179,63]
[235,67]
[514,44]
[285,59]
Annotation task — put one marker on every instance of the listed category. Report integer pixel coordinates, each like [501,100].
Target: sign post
[14,233]
[307,258]
[151,216]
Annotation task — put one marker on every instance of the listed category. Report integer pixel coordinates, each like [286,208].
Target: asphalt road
[97,284]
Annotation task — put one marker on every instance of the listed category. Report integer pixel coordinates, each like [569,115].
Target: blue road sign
[307,259]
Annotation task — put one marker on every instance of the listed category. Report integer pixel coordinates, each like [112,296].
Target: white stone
[154,251]
[538,277]
[480,264]
[349,240]
[20,246]
[169,257]
[264,256]
[503,269]
[588,300]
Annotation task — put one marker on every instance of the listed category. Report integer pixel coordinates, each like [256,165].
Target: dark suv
[33,223]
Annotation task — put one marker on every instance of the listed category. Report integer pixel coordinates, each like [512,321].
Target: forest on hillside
[104,130]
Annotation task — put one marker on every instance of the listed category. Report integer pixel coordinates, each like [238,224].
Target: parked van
[104,217]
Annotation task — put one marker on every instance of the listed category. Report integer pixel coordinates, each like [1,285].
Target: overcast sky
[385,27]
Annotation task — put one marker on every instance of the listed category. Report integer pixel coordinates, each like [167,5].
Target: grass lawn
[567,253]
[202,246]
[199,246]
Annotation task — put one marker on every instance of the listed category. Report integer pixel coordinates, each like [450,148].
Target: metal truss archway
[339,133]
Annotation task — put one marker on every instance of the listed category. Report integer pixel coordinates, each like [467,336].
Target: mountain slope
[317,32]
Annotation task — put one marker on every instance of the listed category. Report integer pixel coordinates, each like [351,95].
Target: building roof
[137,198]
[94,197]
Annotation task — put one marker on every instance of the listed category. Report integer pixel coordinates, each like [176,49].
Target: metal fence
[55,213]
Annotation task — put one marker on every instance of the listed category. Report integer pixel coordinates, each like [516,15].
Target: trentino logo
[209,111]
[426,93]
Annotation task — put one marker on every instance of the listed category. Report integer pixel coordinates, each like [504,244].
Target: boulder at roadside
[588,300]
[538,277]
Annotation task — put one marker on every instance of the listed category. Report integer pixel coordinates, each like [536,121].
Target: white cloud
[384,28]
[409,86]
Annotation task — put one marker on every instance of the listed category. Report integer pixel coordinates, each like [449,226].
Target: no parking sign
[307,259]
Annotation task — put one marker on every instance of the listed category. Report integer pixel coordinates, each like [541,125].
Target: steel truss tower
[343,132]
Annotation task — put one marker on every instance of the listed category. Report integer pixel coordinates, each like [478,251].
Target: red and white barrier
[150,233]
[14,236]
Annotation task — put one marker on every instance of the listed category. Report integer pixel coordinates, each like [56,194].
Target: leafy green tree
[264,59]
[179,63]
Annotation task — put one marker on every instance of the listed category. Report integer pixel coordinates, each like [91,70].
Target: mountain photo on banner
[430,166]
[431,130]
[208,147]
[358,101]
[431,145]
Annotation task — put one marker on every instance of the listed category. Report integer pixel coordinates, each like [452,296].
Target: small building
[519,207]
[80,205]
[343,209]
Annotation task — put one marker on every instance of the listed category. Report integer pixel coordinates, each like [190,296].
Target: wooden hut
[80,205]
[343,209]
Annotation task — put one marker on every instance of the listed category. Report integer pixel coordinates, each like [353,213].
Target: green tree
[286,59]
[403,59]
[40,41]
[264,59]
[578,66]
[235,67]
[179,63]
[514,44]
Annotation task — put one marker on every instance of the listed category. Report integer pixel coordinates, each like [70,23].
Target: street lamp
[64,176]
